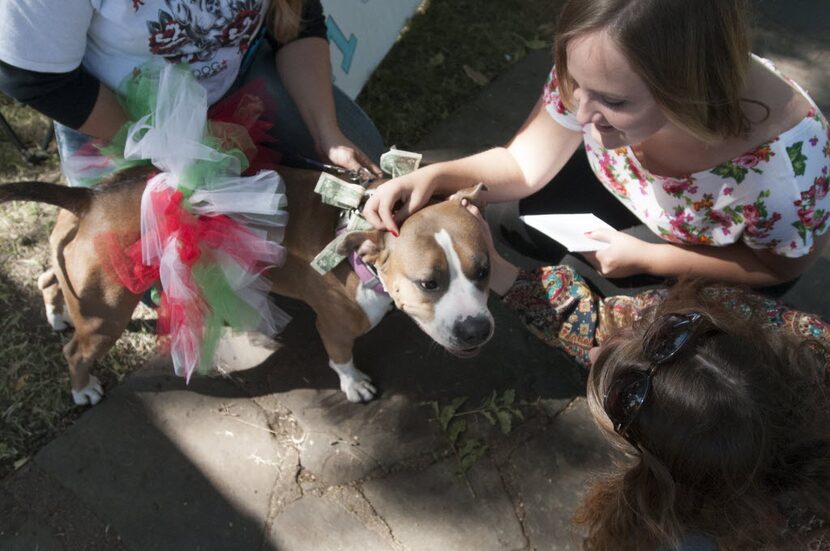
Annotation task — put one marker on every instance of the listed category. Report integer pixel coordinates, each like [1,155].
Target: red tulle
[123,262]
[248,108]
[181,319]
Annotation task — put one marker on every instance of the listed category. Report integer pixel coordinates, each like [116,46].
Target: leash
[360,176]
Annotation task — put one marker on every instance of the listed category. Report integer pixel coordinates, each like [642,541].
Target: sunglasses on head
[663,341]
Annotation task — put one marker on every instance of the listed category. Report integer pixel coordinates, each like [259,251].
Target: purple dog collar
[368,278]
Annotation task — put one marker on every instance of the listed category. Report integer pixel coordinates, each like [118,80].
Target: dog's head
[437,271]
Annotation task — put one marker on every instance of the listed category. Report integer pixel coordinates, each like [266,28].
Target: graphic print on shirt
[192,31]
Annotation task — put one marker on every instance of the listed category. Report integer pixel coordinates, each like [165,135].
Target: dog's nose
[472,330]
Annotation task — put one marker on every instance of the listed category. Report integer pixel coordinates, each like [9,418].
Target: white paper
[569,229]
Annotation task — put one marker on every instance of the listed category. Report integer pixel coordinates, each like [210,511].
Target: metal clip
[357,176]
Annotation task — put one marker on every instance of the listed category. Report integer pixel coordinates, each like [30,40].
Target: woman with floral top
[707,145]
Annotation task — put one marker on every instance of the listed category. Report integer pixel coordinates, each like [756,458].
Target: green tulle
[200,174]
[138,95]
[225,307]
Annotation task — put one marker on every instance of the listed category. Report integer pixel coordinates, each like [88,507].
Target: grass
[449,51]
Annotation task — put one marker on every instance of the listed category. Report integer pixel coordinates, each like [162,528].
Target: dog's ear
[368,244]
[471,194]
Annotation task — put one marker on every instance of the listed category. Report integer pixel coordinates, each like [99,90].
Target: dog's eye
[428,284]
[482,272]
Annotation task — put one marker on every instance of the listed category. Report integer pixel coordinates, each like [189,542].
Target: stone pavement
[271,456]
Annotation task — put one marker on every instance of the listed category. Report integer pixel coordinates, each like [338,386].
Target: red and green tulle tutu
[212,216]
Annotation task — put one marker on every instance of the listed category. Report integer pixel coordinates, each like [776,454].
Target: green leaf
[508,397]
[505,421]
[470,452]
[489,417]
[445,416]
[448,412]
[436,60]
[731,170]
[468,446]
[798,159]
[455,429]
[491,402]
[436,410]
[458,402]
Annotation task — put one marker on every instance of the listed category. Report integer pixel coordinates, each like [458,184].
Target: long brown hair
[731,431]
[284,19]
[693,55]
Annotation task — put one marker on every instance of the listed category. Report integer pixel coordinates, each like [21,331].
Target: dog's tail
[73,199]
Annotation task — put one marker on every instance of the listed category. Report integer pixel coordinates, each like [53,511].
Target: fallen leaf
[436,60]
[21,383]
[536,44]
[475,76]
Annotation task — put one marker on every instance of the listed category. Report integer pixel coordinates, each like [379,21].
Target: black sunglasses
[665,338]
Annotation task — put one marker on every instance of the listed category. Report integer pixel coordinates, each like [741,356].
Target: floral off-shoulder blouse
[774,197]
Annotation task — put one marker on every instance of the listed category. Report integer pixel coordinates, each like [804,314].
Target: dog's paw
[359,390]
[59,321]
[356,384]
[91,394]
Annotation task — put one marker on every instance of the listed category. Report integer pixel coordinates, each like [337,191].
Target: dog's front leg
[338,341]
[356,384]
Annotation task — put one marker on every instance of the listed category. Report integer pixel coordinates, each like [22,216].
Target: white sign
[360,34]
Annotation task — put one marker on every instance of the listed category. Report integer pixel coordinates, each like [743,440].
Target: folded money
[337,192]
[328,258]
[357,223]
[398,162]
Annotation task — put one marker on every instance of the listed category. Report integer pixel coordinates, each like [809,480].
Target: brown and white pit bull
[436,271]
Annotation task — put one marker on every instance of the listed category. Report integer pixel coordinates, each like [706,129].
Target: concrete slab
[197,464]
[341,441]
[434,508]
[548,474]
[320,523]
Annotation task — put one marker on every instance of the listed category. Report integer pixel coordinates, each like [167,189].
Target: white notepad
[569,229]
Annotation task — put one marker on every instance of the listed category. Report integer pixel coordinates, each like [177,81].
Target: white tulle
[172,139]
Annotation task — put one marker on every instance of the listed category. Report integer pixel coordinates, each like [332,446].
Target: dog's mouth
[465,352]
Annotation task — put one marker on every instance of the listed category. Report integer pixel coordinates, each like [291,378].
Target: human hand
[625,255]
[411,191]
[338,149]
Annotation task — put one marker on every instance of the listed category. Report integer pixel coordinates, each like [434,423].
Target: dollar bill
[337,192]
[357,223]
[328,258]
[398,162]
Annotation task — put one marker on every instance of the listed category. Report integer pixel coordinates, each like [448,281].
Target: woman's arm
[304,66]
[107,116]
[540,148]
[75,98]
[736,263]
